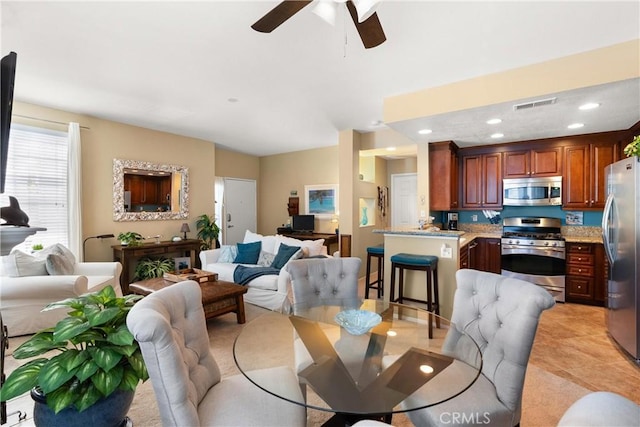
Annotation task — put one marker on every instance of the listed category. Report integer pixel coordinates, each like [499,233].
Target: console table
[128,256]
[329,239]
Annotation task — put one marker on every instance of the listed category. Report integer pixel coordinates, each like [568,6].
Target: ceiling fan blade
[370,30]
[279,14]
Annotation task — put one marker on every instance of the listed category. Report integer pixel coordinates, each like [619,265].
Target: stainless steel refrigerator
[621,237]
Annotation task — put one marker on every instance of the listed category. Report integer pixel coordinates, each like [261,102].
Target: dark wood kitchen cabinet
[482,254]
[532,163]
[586,273]
[148,190]
[584,183]
[489,251]
[443,176]
[482,181]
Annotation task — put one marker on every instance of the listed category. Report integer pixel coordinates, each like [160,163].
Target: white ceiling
[175,66]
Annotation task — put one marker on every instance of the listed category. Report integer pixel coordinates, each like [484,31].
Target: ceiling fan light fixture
[326,9]
[365,8]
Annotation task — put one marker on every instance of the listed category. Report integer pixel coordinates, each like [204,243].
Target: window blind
[37,166]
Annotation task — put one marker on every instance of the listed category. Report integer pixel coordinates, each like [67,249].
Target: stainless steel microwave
[532,191]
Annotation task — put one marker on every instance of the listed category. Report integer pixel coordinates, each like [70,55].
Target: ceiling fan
[362,13]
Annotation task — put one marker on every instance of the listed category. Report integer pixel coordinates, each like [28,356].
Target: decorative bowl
[357,322]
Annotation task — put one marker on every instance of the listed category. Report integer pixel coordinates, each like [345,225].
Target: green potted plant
[130,238]
[96,364]
[148,268]
[633,148]
[208,232]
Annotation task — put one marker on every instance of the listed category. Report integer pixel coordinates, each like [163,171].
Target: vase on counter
[364,220]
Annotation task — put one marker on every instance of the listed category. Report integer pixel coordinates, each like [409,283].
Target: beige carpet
[546,396]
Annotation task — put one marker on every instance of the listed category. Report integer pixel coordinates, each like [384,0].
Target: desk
[128,256]
[360,376]
[329,239]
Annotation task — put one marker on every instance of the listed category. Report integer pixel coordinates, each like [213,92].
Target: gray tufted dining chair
[324,281]
[171,329]
[501,314]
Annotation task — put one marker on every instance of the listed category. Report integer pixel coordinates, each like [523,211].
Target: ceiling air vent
[533,104]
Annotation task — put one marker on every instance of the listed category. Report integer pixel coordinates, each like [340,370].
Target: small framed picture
[574,218]
[182,263]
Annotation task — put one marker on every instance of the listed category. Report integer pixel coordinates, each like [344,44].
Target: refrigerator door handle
[605,227]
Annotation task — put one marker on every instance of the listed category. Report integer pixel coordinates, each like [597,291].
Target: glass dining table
[362,375]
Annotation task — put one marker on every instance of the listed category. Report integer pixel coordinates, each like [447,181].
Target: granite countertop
[429,232]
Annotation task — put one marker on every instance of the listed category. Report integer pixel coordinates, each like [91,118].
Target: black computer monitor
[303,223]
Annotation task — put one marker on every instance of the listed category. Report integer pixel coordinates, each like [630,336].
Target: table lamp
[184,229]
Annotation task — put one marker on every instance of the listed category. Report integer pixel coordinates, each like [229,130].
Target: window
[37,176]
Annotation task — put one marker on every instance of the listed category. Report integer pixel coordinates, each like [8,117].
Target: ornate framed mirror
[144,191]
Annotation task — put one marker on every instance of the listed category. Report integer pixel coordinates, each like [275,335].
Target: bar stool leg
[393,283]
[401,286]
[436,299]
[429,301]
[380,276]
[367,280]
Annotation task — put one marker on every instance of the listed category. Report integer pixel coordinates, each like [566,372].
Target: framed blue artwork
[321,200]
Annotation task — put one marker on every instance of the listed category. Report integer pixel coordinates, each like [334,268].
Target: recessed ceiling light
[425,131]
[391,148]
[232,100]
[497,135]
[494,121]
[589,106]
[575,125]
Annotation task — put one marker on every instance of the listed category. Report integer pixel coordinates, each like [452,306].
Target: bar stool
[375,252]
[428,263]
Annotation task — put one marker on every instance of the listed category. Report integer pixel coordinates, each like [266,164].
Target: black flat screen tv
[7,78]
[303,223]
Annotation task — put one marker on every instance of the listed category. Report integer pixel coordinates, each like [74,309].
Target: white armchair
[23,298]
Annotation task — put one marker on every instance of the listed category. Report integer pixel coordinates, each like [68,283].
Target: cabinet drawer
[580,288]
[149,251]
[580,248]
[580,258]
[580,270]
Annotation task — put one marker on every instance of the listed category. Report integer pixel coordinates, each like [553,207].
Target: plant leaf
[121,336]
[38,344]
[69,327]
[105,357]
[61,398]
[137,363]
[129,380]
[102,317]
[53,374]
[88,397]
[87,369]
[21,380]
[107,382]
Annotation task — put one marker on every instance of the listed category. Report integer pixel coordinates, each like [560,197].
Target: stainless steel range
[533,250]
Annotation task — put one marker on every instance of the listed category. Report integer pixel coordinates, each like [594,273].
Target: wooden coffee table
[218,297]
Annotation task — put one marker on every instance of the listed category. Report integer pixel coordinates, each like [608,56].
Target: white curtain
[75,191]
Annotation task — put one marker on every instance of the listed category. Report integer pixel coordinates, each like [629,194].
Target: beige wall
[105,140]
[280,174]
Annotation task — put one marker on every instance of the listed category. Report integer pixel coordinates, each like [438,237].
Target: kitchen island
[444,244]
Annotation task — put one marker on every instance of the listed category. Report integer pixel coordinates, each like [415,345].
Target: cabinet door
[165,190]
[135,184]
[517,164]
[546,162]
[492,180]
[464,256]
[493,253]
[472,182]
[473,255]
[575,189]
[601,155]
[443,176]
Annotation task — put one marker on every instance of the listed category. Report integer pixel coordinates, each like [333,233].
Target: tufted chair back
[171,329]
[328,281]
[501,314]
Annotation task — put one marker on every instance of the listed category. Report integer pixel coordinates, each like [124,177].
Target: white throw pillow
[26,265]
[58,265]
[269,243]
[265,259]
[314,246]
[228,253]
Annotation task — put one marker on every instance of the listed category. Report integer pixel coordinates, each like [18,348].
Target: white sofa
[268,291]
[25,291]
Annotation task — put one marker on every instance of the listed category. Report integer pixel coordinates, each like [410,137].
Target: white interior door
[239,209]
[404,195]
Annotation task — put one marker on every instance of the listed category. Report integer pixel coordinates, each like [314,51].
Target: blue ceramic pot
[108,412]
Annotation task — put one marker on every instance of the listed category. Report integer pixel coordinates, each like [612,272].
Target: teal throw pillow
[248,253]
[285,252]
